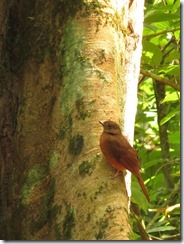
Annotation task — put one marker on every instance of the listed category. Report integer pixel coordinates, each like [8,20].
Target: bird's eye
[110,126]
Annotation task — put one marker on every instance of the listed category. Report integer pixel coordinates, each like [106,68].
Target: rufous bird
[119,153]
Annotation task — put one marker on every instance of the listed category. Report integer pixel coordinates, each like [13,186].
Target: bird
[119,153]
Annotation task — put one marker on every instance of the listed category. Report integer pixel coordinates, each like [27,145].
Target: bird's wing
[130,162]
[126,156]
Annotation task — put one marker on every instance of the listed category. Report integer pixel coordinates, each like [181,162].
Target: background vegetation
[157,129]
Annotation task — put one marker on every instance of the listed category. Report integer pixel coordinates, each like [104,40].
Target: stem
[161,79]
[160,33]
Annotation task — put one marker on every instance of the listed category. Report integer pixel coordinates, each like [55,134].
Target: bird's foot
[118,173]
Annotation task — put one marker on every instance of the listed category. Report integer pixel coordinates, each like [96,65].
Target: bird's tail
[143,188]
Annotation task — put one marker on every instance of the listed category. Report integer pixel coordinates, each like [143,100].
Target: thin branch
[135,211]
[168,43]
[170,163]
[160,33]
[176,236]
[161,79]
[166,54]
[156,238]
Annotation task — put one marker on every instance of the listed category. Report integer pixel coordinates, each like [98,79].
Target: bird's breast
[108,146]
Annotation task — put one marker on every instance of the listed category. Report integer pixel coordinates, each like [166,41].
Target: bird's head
[111,127]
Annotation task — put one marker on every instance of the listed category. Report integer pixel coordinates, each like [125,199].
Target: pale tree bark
[71,64]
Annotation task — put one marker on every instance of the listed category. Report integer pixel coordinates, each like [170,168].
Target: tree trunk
[69,64]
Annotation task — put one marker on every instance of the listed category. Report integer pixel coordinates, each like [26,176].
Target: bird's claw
[118,173]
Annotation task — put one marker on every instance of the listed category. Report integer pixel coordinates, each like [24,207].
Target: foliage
[161,56]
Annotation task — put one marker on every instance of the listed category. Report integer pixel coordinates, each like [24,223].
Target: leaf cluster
[157,137]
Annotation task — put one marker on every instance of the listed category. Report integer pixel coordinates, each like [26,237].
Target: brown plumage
[119,153]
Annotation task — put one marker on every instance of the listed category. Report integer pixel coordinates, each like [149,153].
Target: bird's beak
[101,123]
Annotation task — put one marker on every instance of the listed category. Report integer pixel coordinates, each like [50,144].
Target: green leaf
[135,236]
[175,55]
[176,6]
[171,97]
[175,138]
[138,196]
[177,34]
[149,29]
[161,228]
[153,52]
[170,2]
[153,163]
[175,209]
[159,16]
[172,70]
[168,117]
